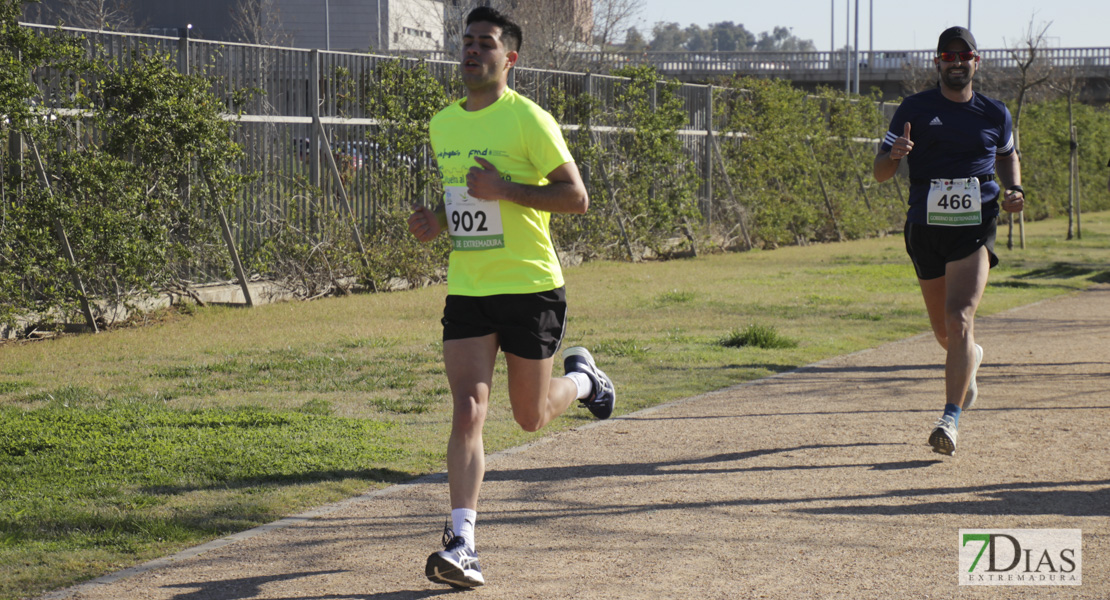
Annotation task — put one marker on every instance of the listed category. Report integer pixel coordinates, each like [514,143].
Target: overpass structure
[886,70]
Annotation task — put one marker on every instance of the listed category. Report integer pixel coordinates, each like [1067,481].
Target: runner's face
[485,61]
[957,75]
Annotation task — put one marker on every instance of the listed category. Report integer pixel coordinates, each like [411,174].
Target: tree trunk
[1071,168]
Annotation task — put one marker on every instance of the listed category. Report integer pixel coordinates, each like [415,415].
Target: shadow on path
[670,468]
[1023,499]
[251,588]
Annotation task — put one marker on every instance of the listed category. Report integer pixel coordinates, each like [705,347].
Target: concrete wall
[348,24]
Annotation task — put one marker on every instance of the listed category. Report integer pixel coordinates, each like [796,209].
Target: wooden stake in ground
[342,190]
[63,239]
[1075,180]
[617,213]
[732,194]
[825,193]
[229,240]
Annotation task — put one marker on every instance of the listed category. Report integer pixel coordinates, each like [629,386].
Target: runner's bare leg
[951,302]
[469,364]
[967,279]
[536,397]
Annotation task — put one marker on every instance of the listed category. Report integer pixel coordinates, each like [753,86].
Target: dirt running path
[817,483]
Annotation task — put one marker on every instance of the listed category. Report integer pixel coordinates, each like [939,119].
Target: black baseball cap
[956,33]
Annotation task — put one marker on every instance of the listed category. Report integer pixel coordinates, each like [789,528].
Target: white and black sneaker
[604,396]
[943,438]
[456,565]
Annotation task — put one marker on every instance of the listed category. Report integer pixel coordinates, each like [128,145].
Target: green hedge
[797,170]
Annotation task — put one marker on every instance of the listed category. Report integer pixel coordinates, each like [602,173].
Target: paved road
[816,483]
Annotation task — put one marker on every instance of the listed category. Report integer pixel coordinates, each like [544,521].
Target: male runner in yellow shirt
[505,169]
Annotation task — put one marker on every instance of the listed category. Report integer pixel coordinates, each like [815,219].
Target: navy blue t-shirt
[951,140]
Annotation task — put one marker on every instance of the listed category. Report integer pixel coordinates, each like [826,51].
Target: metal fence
[294,89]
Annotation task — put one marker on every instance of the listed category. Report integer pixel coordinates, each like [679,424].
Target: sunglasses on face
[966,56]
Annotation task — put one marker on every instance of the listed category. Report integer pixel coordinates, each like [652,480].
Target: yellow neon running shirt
[498,247]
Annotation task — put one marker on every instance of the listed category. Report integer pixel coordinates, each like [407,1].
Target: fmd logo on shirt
[1021,557]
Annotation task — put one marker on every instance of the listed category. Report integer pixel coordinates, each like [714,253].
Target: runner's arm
[897,147]
[565,192]
[1008,170]
[884,166]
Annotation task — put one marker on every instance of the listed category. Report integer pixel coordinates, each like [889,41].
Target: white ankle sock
[462,520]
[583,383]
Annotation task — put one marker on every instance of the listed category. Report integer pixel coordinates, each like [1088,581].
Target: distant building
[350,25]
[573,16]
[416,25]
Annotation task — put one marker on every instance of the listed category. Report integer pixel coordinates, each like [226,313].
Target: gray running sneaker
[604,396]
[943,438]
[972,388]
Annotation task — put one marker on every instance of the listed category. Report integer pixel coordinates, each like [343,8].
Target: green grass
[759,336]
[134,443]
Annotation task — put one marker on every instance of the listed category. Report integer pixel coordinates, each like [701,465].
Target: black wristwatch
[1016,188]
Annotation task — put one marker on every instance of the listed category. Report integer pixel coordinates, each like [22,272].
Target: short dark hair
[511,35]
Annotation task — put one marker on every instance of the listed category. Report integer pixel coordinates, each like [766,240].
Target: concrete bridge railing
[1087,60]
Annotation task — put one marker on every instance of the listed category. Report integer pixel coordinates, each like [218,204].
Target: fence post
[707,169]
[16,148]
[314,112]
[183,184]
[585,124]
[183,52]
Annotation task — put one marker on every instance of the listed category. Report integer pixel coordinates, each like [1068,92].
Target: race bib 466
[955,202]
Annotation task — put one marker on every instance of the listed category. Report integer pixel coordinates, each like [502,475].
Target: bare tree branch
[258,22]
[100,15]
[1032,72]
[612,17]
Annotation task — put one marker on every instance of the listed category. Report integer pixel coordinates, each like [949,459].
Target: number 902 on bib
[474,224]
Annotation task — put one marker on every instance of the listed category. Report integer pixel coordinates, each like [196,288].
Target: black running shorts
[931,247]
[527,325]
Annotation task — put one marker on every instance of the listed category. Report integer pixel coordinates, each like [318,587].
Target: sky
[898,24]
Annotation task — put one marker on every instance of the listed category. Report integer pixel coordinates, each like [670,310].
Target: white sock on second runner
[462,521]
[583,383]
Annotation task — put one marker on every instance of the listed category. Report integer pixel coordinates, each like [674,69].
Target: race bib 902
[954,202]
[474,224]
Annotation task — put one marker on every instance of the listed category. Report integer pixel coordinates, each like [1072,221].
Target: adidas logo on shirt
[935,121]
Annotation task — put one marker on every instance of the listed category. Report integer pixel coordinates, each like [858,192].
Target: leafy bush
[117,177]
[644,190]
[307,244]
[1046,153]
[139,178]
[800,169]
